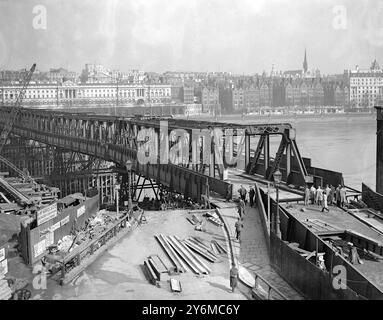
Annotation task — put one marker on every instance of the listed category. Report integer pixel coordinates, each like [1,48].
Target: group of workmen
[326,196]
[241,208]
[238,227]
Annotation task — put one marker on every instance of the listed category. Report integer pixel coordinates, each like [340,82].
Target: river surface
[343,143]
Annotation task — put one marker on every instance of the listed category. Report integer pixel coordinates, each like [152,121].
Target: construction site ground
[118,274]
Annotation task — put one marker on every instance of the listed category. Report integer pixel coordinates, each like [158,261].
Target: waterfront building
[238,99]
[188,94]
[226,99]
[193,109]
[366,86]
[317,92]
[264,94]
[210,99]
[62,75]
[341,95]
[95,73]
[69,93]
[176,93]
[251,98]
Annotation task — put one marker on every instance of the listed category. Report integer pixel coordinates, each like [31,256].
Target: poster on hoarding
[3,268]
[55,227]
[39,248]
[80,211]
[2,254]
[46,214]
[64,221]
[49,239]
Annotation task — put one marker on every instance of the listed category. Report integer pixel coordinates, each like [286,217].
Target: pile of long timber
[5,290]
[182,256]
[174,258]
[214,218]
[217,247]
[194,220]
[200,249]
[151,273]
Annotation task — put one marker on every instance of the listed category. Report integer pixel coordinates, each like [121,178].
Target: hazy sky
[241,36]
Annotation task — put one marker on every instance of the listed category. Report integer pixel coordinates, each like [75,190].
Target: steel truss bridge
[117,139]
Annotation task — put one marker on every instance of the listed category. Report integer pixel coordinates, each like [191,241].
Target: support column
[266,151]
[288,160]
[379,149]
[91,124]
[247,150]
[211,160]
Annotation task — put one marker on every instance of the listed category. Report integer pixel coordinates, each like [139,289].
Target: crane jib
[15,111]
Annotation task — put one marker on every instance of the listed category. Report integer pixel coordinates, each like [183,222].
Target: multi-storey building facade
[226,99]
[264,94]
[61,74]
[238,99]
[366,86]
[210,100]
[72,93]
[188,94]
[251,98]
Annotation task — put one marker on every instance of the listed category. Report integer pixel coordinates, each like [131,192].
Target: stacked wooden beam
[194,220]
[182,255]
[193,262]
[150,273]
[214,248]
[159,264]
[218,247]
[174,258]
[214,218]
[192,244]
[5,290]
[175,285]
[215,221]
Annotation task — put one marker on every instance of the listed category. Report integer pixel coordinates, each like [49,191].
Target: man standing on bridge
[233,276]
[312,194]
[324,202]
[342,193]
[251,196]
[242,192]
[337,195]
[241,208]
[307,195]
[238,227]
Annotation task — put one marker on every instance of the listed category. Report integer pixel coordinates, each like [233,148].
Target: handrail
[270,287]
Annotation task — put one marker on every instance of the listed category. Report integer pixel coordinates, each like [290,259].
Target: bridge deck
[345,221]
[252,252]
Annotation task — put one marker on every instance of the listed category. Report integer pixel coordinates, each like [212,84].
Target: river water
[344,143]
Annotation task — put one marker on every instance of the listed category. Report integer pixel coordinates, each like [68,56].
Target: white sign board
[55,227]
[39,248]
[49,239]
[46,214]
[64,221]
[80,211]
[3,268]
[2,254]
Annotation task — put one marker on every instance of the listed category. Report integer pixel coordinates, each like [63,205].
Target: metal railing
[269,290]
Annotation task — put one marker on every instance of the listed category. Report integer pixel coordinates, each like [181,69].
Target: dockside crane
[8,125]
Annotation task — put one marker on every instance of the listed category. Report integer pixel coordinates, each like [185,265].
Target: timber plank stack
[187,254]
[5,290]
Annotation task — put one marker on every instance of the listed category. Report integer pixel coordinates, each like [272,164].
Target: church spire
[305,67]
